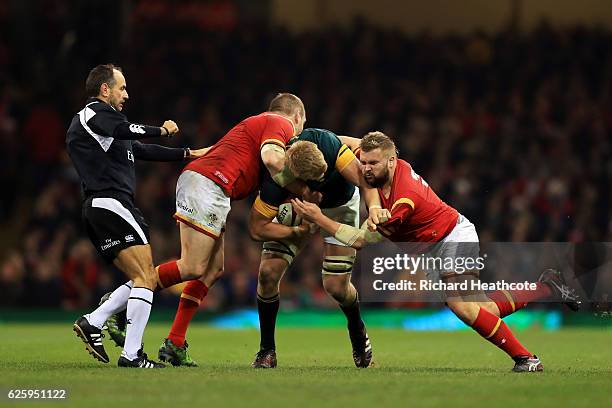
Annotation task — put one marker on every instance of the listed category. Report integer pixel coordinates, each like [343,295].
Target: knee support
[338,264]
[280,250]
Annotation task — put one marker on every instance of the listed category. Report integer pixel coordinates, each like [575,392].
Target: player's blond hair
[288,104]
[305,160]
[377,140]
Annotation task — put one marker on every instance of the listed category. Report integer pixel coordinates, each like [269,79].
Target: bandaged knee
[338,264]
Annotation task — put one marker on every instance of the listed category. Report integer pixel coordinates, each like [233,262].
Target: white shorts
[201,204]
[461,242]
[464,231]
[347,213]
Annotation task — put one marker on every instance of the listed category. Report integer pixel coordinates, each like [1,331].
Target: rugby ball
[287,216]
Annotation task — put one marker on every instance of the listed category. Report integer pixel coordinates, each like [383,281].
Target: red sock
[168,274]
[194,292]
[495,330]
[509,301]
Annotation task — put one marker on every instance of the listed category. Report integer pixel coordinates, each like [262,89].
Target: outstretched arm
[155,152]
[131,131]
[107,122]
[354,237]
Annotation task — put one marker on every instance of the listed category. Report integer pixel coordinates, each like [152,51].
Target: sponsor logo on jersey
[109,243]
[137,129]
[129,238]
[221,176]
[130,156]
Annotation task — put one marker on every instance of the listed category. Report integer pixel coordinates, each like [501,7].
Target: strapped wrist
[348,235]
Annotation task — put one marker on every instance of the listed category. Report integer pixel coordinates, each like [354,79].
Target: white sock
[138,310]
[117,302]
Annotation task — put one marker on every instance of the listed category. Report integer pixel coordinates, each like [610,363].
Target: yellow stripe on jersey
[344,158]
[275,141]
[265,209]
[403,201]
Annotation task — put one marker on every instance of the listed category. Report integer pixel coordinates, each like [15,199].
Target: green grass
[315,368]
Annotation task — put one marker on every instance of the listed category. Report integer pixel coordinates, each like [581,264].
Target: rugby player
[329,167]
[418,215]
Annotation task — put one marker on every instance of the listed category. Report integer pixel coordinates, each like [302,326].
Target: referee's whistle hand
[171,127]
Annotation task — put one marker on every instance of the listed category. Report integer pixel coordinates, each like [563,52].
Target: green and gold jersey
[336,190]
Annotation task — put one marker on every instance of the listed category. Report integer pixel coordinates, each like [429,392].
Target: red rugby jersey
[234,162]
[417,213]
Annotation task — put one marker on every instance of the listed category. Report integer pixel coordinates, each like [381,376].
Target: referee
[103,146]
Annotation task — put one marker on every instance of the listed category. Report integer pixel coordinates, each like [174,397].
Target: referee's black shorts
[113,225]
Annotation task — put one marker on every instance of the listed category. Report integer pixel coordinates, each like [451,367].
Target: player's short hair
[305,160]
[99,75]
[287,103]
[377,140]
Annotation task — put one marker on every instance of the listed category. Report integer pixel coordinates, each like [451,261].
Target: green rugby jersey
[335,189]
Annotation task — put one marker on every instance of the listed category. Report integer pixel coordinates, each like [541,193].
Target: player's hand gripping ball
[287,216]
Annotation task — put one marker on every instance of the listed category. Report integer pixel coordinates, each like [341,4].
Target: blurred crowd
[512,129]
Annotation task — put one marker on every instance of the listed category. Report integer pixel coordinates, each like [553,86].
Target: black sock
[353,315]
[267,309]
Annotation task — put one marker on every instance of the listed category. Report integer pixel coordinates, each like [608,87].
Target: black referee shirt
[103,145]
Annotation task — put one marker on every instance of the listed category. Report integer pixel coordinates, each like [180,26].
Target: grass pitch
[315,369]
